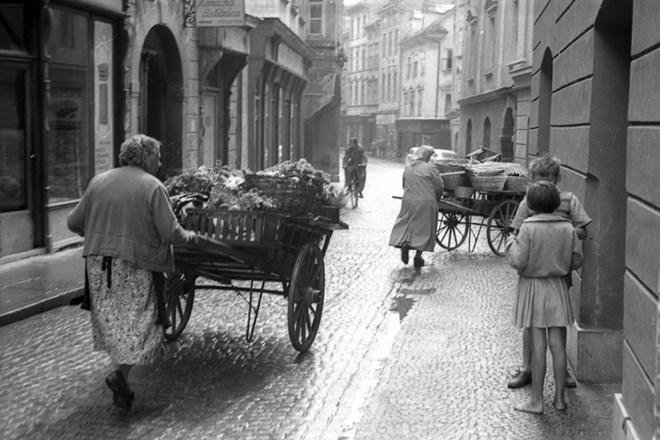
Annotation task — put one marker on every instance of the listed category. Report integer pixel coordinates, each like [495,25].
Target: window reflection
[13,195]
[68,117]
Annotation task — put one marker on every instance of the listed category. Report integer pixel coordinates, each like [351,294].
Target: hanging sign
[214,13]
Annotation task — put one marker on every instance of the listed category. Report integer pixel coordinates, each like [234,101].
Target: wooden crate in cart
[253,253]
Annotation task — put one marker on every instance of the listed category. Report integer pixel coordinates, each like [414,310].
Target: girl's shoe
[418,261]
[122,396]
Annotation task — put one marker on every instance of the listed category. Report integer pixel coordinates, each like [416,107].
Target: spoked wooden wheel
[179,296]
[498,228]
[305,297]
[452,230]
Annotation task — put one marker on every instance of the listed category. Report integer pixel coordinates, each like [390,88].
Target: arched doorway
[486,133]
[506,139]
[161,96]
[545,104]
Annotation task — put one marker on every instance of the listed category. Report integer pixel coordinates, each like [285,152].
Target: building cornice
[483,97]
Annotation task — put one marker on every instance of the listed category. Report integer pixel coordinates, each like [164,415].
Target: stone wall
[604,127]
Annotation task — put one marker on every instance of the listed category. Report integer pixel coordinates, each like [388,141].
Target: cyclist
[355,163]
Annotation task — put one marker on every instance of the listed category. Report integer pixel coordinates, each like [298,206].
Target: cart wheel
[179,297]
[498,227]
[306,292]
[452,230]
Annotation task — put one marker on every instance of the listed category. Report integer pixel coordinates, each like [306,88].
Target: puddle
[417,291]
[402,305]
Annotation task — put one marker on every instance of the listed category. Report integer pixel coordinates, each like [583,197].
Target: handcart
[468,207]
[253,253]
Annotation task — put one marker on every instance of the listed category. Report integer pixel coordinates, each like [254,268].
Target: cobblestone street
[398,355]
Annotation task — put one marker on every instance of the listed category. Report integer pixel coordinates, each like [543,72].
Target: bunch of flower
[240,200]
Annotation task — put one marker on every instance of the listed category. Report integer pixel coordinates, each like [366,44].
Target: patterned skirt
[123,314]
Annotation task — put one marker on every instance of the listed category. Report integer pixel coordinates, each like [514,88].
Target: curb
[61,299]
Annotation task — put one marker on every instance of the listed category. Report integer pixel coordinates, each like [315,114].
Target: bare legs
[527,354]
[527,349]
[539,345]
[557,341]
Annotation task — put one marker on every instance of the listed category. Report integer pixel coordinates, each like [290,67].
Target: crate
[488,183]
[246,228]
[295,195]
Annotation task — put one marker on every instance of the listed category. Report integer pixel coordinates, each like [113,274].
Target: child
[544,252]
[547,168]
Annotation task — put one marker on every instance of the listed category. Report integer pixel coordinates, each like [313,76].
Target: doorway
[506,139]
[161,97]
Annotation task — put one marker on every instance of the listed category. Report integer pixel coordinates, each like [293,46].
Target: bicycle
[353,187]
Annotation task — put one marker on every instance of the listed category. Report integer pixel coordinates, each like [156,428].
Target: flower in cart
[233,182]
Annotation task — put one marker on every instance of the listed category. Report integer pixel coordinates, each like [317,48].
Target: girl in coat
[415,226]
[544,252]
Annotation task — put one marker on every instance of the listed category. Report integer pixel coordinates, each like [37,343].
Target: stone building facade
[427,95]
[361,44]
[497,54]
[79,76]
[594,103]
[322,95]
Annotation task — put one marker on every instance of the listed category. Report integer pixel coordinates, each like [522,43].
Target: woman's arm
[167,225]
[76,219]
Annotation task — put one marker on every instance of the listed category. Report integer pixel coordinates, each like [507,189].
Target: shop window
[81,80]
[316,16]
[12,26]
[13,173]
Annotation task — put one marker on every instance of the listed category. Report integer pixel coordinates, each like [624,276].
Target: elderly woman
[128,225]
[416,224]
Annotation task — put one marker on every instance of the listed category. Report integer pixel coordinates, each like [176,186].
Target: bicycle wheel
[353,194]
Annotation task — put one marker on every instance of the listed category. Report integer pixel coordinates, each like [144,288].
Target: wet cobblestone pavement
[398,355]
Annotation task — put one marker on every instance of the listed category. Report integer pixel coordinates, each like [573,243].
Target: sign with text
[220,13]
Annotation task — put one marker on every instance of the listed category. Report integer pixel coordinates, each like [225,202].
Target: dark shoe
[404,255]
[570,381]
[560,406]
[419,262]
[122,396]
[520,379]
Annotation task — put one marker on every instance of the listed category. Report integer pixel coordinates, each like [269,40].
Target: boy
[547,168]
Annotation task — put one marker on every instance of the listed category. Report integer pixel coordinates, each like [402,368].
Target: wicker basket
[455,180]
[516,183]
[488,183]
[247,228]
[294,195]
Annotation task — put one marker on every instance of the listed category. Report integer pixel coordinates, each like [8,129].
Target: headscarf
[424,153]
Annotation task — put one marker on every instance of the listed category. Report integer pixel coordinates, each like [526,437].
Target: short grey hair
[135,150]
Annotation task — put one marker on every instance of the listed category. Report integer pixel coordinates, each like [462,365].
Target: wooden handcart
[464,214]
[253,253]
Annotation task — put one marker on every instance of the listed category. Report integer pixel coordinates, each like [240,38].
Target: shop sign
[220,13]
